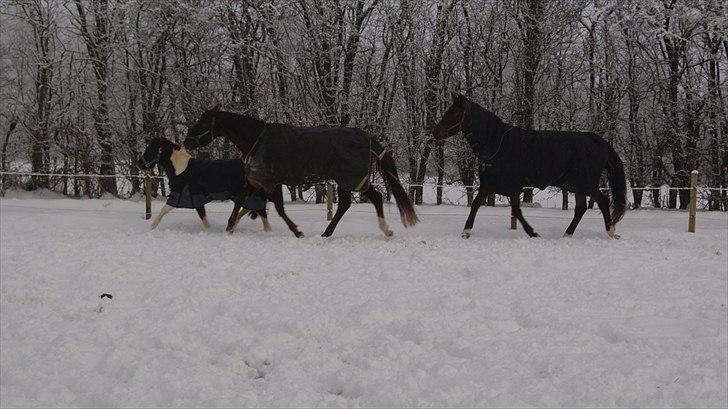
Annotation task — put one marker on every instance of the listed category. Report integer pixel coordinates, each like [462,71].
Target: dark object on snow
[293,155]
[206,180]
[511,158]
[279,154]
[202,181]
[106,295]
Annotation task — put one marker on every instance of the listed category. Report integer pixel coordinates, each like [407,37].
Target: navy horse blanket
[206,180]
[292,155]
[511,157]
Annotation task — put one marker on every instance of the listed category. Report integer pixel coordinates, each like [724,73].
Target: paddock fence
[150,186]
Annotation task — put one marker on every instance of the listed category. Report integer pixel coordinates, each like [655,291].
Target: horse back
[570,160]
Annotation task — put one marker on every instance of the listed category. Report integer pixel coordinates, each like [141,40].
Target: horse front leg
[341,208]
[165,209]
[516,211]
[277,197]
[477,202]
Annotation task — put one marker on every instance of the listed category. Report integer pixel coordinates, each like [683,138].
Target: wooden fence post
[148,196]
[329,201]
[693,200]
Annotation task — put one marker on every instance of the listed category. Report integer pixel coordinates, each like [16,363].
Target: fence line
[146,177]
[408,185]
[77,175]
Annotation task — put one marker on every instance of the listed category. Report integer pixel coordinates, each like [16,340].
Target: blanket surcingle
[292,155]
[206,180]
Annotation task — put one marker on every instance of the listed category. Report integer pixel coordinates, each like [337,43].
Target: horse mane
[484,123]
[235,120]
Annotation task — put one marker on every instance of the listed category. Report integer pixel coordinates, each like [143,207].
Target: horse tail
[617,184]
[389,172]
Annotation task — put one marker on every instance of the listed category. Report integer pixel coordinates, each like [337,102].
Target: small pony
[195,182]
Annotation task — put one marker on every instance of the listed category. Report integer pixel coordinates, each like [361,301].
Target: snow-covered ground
[202,318]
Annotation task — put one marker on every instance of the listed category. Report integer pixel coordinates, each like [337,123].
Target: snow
[202,318]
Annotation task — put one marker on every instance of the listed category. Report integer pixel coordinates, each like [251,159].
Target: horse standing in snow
[194,182]
[278,154]
[511,158]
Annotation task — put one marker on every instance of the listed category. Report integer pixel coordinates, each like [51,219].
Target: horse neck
[243,131]
[485,129]
[488,127]
[167,166]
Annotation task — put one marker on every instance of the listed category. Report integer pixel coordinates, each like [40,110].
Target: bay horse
[278,154]
[511,158]
[194,182]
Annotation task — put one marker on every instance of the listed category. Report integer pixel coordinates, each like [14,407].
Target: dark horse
[511,158]
[193,182]
[277,154]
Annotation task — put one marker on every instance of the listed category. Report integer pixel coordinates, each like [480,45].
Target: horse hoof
[389,233]
[299,234]
[535,235]
[465,235]
[567,235]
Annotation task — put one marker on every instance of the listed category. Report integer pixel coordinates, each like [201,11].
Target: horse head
[454,119]
[203,131]
[158,151]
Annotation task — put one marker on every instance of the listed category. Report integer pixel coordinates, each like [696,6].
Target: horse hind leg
[477,203]
[579,211]
[264,219]
[603,203]
[376,198]
[516,210]
[234,217]
[203,216]
[341,208]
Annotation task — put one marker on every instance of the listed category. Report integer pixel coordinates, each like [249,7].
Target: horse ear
[215,108]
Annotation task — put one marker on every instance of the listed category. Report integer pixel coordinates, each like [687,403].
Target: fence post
[329,201]
[693,200]
[148,196]
[513,217]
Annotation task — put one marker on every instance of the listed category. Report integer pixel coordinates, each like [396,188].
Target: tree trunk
[98,45]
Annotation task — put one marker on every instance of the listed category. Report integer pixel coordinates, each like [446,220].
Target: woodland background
[84,83]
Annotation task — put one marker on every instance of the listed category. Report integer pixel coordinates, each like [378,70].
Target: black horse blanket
[512,158]
[206,180]
[292,155]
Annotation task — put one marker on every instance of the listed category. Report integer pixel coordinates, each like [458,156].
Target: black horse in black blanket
[193,183]
[511,158]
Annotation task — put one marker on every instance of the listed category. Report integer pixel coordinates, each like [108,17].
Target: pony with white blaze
[195,182]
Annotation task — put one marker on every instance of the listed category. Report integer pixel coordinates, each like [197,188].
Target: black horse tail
[617,184]
[389,172]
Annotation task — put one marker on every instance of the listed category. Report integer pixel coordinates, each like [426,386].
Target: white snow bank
[201,318]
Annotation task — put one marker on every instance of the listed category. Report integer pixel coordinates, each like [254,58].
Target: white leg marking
[266,225]
[384,227]
[567,235]
[612,233]
[165,209]
[465,234]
